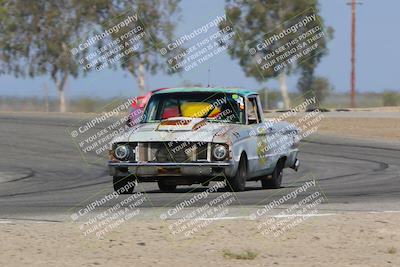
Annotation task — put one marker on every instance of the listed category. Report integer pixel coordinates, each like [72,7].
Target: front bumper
[171,169]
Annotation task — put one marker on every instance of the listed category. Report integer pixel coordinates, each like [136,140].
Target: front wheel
[238,182]
[124,185]
[275,181]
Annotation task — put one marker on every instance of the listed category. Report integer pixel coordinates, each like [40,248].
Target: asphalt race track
[42,173]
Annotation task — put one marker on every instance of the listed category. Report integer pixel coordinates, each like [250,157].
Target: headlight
[122,152]
[220,152]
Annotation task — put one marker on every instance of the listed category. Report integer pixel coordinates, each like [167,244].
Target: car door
[254,119]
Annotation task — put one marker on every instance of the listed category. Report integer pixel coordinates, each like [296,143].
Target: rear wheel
[238,182]
[166,187]
[276,180]
[124,185]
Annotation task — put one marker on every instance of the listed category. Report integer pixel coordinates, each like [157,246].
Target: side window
[253,114]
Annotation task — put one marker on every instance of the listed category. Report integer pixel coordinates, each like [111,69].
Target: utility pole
[353,53]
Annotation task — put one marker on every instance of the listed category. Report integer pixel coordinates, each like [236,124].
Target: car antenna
[208,85]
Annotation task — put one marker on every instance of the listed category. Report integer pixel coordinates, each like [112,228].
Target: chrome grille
[173,151]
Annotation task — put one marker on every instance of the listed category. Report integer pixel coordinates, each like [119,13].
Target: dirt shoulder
[340,240]
[364,128]
[380,126]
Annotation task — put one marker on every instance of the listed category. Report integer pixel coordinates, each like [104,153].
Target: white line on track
[225,218]
[242,217]
[292,215]
[275,216]
[386,211]
[304,215]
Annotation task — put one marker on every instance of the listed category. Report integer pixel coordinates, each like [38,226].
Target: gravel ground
[361,239]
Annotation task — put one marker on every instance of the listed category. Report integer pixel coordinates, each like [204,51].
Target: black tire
[238,182]
[166,187]
[206,183]
[124,185]
[276,180]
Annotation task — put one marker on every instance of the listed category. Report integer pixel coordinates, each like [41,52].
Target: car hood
[176,129]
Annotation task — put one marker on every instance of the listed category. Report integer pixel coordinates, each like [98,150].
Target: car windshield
[215,107]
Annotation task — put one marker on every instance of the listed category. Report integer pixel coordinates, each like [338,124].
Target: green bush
[391,98]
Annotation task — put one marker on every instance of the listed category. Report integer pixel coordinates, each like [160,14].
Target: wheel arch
[281,161]
[244,154]
[237,160]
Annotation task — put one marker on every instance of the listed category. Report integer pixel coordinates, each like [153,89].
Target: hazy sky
[378,40]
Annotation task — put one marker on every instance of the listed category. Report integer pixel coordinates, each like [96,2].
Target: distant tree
[34,40]
[86,104]
[187,83]
[307,77]
[156,18]
[391,98]
[321,88]
[36,36]
[252,20]
[269,98]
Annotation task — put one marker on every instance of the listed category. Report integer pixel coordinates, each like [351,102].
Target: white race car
[195,135]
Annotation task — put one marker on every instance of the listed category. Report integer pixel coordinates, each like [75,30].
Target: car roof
[227,90]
